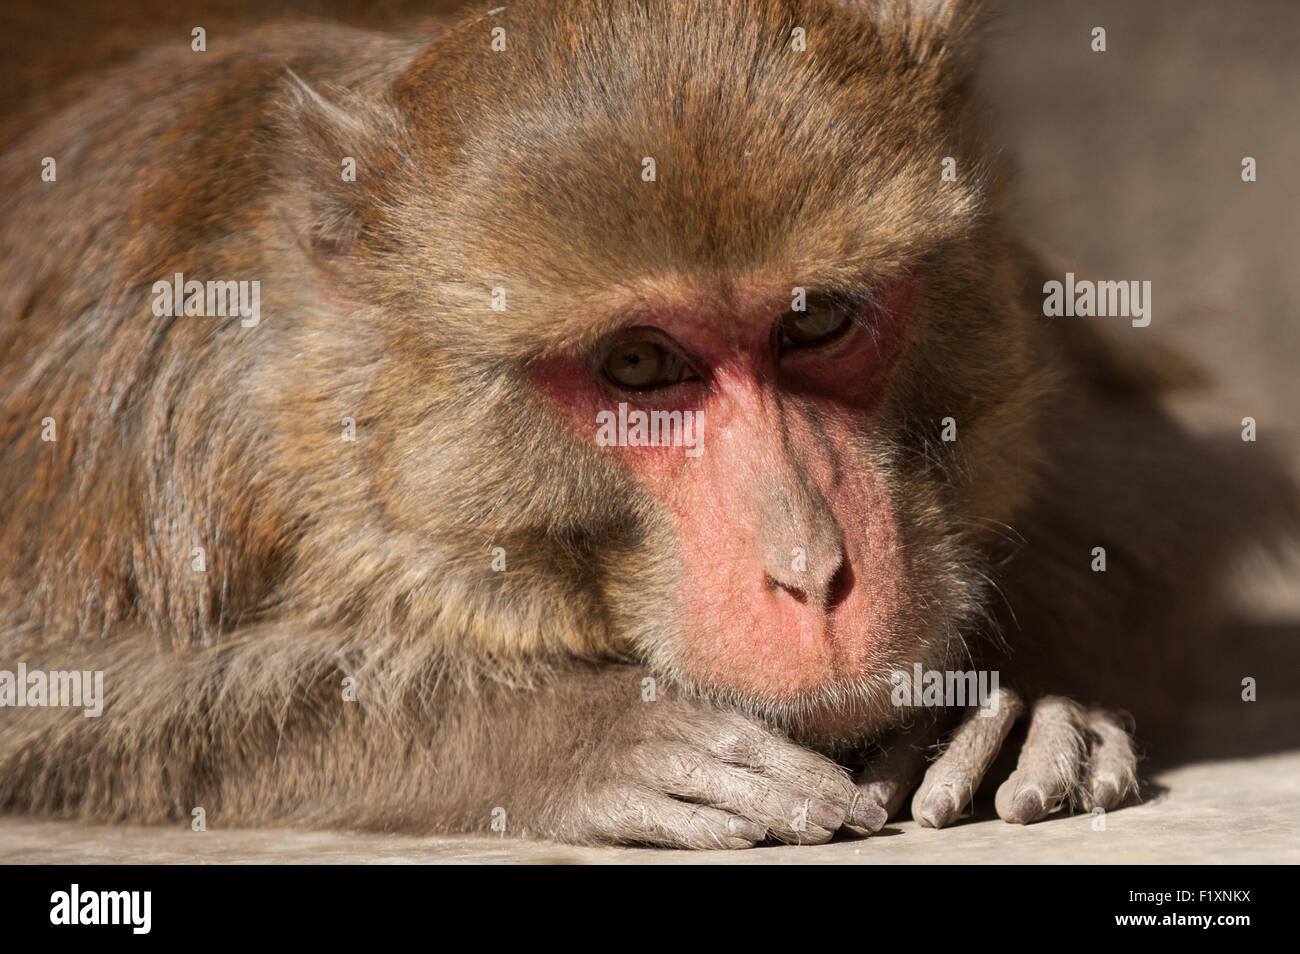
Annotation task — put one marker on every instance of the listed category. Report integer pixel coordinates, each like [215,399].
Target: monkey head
[711,219]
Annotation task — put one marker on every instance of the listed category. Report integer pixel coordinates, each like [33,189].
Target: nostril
[772,583]
[840,585]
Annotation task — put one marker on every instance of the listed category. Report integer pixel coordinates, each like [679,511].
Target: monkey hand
[1071,754]
[679,773]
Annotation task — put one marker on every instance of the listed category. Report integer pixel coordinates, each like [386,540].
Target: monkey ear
[333,156]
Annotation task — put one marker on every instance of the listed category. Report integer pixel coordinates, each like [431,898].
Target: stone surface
[1237,811]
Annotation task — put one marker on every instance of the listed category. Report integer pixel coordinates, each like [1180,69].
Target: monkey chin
[828,686]
[839,716]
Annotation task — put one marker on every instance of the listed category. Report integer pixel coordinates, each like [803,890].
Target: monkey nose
[818,576]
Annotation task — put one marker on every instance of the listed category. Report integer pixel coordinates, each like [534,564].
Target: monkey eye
[823,320]
[640,364]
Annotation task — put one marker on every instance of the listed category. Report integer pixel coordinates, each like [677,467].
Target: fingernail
[1104,794]
[938,809]
[1027,806]
[825,815]
[744,828]
[868,816]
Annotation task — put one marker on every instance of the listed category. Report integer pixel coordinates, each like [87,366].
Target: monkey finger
[643,817]
[951,780]
[1050,764]
[786,814]
[1112,762]
[833,799]
[885,781]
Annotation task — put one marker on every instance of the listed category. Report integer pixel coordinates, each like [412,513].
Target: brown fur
[371,559]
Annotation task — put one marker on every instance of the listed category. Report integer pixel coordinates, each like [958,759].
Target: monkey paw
[702,778]
[1083,757]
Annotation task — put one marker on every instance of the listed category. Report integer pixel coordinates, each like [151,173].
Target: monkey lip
[806,626]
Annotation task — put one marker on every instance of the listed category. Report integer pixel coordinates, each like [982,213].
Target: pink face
[792,565]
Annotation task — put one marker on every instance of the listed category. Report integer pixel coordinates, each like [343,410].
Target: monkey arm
[277,726]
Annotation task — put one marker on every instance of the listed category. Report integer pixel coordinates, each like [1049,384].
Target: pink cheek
[567,383]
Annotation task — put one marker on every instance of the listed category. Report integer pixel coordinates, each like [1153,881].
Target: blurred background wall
[1129,163]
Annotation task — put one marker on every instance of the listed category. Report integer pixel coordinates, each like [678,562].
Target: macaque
[368,363]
